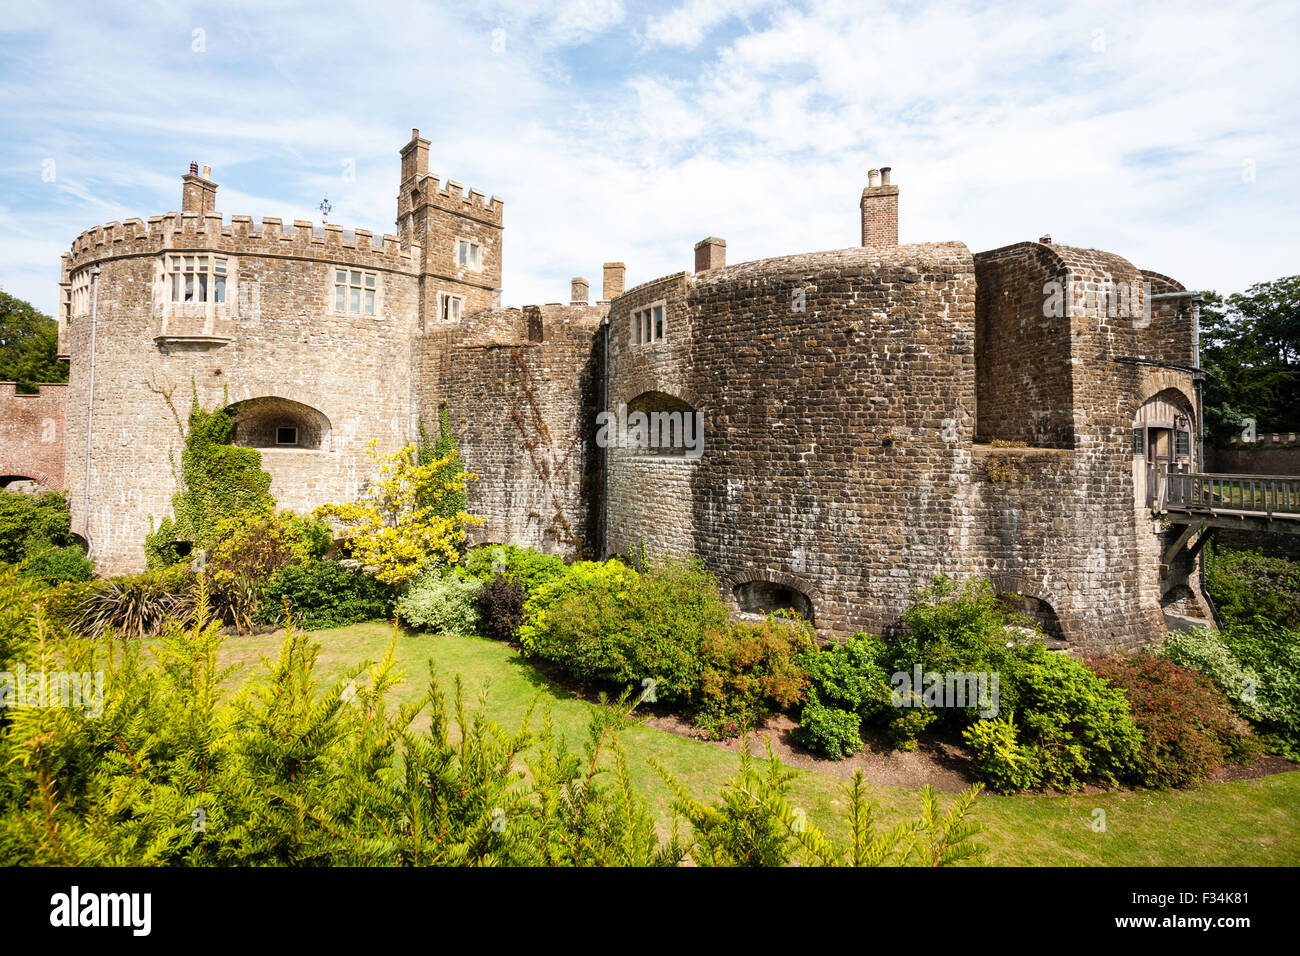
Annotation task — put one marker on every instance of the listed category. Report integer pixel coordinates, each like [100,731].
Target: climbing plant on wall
[443,449]
[218,481]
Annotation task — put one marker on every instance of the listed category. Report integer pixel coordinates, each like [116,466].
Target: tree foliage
[29,345]
[1250,346]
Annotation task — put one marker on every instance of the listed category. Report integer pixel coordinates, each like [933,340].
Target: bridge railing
[1256,494]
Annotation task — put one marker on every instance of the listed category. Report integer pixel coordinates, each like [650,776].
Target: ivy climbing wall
[522,390]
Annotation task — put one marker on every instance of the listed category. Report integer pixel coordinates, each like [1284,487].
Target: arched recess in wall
[273,422]
[26,484]
[663,426]
[764,597]
[1036,610]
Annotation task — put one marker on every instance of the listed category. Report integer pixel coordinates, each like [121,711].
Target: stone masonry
[870,416]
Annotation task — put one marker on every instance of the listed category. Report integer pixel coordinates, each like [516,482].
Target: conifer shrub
[281,768]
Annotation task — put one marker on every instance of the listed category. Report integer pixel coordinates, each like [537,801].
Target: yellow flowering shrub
[397,526]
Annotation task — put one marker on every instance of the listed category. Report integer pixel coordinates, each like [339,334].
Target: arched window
[661,425]
[279,423]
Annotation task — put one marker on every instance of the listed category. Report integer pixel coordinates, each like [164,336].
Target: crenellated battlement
[452,197]
[239,235]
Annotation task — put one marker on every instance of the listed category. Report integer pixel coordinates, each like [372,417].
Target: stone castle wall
[276,336]
[871,416]
[521,390]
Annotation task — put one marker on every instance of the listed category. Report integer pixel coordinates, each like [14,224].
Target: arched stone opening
[764,597]
[273,422]
[24,484]
[663,426]
[1038,611]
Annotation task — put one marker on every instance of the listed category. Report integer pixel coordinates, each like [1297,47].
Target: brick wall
[32,434]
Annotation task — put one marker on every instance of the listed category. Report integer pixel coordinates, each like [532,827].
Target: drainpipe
[604,452]
[90,411]
[1196,363]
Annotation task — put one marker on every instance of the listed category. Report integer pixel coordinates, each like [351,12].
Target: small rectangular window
[469,255]
[450,306]
[1139,442]
[1182,444]
[649,324]
[285,435]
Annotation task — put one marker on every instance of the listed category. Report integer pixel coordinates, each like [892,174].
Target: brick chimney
[198,193]
[615,277]
[579,289]
[879,210]
[710,253]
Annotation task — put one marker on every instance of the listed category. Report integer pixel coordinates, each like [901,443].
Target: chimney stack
[710,253]
[198,193]
[615,276]
[879,210]
[579,288]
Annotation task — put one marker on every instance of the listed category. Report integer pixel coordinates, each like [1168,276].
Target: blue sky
[1168,133]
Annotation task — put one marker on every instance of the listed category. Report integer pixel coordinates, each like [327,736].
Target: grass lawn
[1245,823]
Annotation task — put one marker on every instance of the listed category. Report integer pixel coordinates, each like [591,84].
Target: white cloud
[1001,123]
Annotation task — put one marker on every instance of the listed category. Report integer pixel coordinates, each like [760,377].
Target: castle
[869,417]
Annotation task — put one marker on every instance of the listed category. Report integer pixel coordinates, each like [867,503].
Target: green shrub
[441,602]
[501,607]
[254,545]
[843,679]
[851,676]
[829,731]
[750,669]
[1203,650]
[1002,762]
[605,623]
[324,594]
[1246,585]
[56,565]
[1074,726]
[1273,653]
[1188,728]
[530,568]
[32,523]
[906,724]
